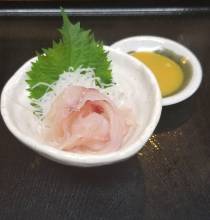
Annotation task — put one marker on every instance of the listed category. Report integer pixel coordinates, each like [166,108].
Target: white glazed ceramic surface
[152,43]
[17,114]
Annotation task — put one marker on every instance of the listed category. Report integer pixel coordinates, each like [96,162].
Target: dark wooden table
[168,179]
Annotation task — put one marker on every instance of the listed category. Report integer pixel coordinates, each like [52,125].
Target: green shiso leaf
[77,47]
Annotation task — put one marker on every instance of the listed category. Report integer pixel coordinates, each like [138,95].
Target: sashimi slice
[86,121]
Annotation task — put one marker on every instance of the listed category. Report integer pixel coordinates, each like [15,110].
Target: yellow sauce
[168,73]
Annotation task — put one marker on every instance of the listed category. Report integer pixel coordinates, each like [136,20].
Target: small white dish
[15,110]
[153,43]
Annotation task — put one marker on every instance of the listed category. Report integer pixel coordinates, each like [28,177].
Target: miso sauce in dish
[169,74]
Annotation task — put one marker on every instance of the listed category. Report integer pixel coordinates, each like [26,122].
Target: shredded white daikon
[80,77]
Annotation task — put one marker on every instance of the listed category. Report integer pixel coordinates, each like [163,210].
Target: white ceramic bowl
[152,43]
[18,119]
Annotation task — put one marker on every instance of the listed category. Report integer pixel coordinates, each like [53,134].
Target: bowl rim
[197,74]
[84,160]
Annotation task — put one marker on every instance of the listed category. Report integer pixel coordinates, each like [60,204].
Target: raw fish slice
[85,120]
